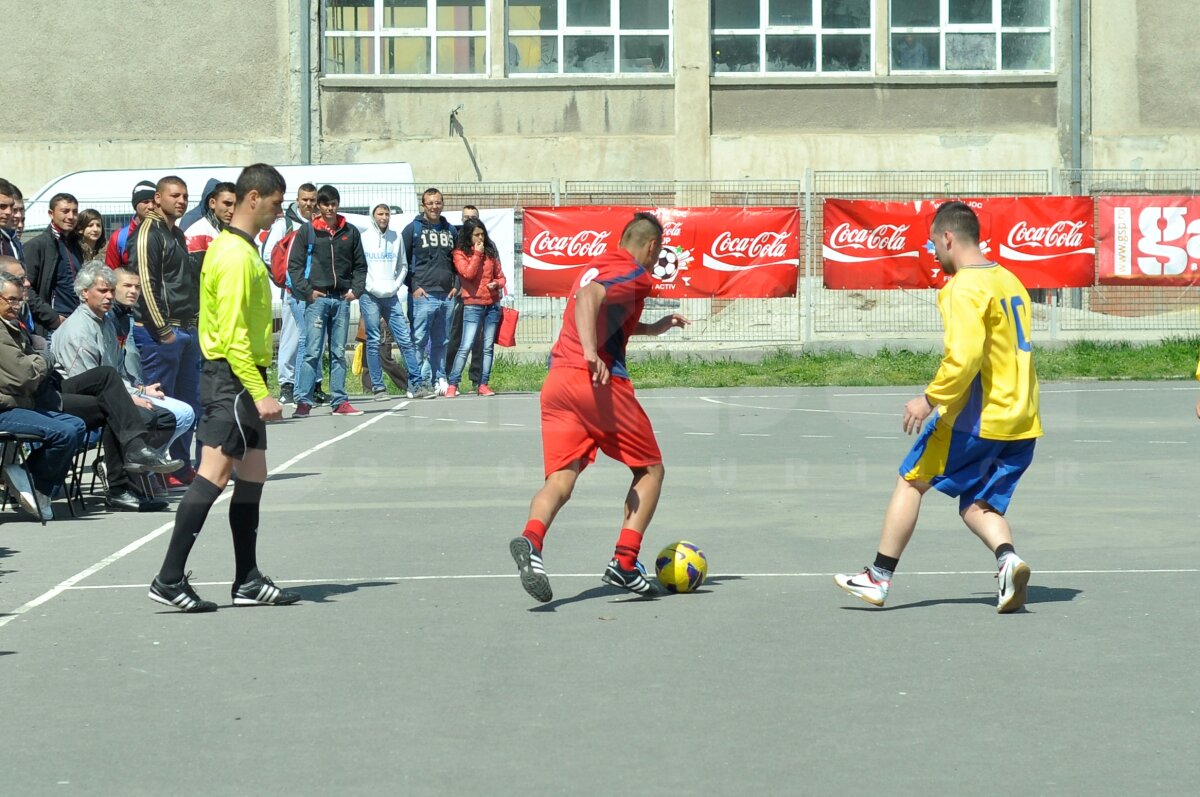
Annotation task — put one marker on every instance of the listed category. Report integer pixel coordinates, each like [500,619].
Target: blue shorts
[967,467]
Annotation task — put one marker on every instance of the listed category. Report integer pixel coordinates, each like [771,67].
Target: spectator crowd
[99,346]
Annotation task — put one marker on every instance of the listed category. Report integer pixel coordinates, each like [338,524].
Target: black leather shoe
[140,458]
[320,398]
[123,501]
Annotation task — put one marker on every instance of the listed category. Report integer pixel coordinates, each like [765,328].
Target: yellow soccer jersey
[235,309]
[986,385]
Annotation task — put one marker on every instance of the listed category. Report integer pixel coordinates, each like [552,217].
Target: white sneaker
[44,505]
[1013,576]
[863,585]
[442,386]
[21,489]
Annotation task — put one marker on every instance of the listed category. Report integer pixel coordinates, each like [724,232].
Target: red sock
[535,532]
[628,545]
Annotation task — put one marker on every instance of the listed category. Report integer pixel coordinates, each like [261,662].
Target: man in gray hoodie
[385,300]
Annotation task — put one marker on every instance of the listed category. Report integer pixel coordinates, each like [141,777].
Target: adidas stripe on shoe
[863,585]
[531,569]
[632,580]
[179,596]
[258,590]
[1013,575]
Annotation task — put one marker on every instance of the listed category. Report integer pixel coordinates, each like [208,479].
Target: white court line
[870,437]
[701,434]
[1091,441]
[517,425]
[1167,442]
[70,583]
[795,409]
[484,576]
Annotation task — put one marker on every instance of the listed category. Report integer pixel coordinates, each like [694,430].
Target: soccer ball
[681,567]
[667,266]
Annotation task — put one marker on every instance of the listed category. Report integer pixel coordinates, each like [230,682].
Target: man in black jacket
[169,310]
[10,240]
[328,270]
[429,241]
[51,261]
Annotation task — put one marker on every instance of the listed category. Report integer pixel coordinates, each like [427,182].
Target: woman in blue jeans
[477,262]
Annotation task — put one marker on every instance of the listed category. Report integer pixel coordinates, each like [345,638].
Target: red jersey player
[588,405]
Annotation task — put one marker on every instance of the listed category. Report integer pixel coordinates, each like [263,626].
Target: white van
[361,185]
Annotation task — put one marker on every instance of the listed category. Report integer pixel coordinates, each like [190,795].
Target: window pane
[345,55]
[644,15]
[1025,51]
[790,12]
[846,53]
[1024,13]
[461,55]
[846,14]
[461,15]
[588,54]
[404,56]
[970,51]
[644,54]
[734,13]
[528,54]
[533,14]
[588,14]
[735,53]
[915,51]
[791,53]
[349,14]
[405,14]
[969,12]
[915,14]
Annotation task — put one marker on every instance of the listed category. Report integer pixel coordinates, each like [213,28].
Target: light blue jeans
[327,317]
[473,316]
[431,317]
[374,310]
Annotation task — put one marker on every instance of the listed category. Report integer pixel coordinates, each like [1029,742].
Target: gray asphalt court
[416,664]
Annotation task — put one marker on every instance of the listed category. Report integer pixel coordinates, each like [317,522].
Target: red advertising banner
[723,252]
[1149,240]
[1047,242]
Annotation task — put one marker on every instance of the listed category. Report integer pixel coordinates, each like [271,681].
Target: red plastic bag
[508,327]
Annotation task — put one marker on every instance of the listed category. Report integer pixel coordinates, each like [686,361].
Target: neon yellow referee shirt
[235,309]
[987,385]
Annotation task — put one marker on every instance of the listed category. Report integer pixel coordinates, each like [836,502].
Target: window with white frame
[796,36]
[588,37]
[971,35]
[405,37]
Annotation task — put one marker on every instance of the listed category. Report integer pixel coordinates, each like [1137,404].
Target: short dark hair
[54,200]
[7,188]
[642,228]
[170,179]
[470,207]
[307,188]
[429,191]
[958,218]
[260,177]
[223,188]
[327,194]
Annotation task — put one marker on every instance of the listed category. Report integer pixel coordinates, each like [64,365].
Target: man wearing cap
[117,254]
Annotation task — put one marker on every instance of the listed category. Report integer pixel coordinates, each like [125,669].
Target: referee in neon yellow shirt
[235,341]
[981,439]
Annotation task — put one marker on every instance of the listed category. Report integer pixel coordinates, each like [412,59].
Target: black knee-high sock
[243,522]
[189,519]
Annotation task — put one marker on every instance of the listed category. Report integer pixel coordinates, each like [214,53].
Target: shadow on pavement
[282,477]
[321,593]
[625,597]
[1035,595]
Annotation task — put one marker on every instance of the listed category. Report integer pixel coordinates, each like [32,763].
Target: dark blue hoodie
[430,250]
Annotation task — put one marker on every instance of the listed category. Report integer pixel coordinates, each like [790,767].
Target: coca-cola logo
[885,237]
[672,228]
[585,244]
[1060,235]
[765,244]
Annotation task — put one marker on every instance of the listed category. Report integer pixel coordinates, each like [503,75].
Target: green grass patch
[1171,359]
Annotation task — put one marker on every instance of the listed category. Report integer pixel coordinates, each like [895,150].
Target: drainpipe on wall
[1076,96]
[305,82]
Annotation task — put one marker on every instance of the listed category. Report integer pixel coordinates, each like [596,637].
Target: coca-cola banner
[725,252]
[1149,240]
[1046,241]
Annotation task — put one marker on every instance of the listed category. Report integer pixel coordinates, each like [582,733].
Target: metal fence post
[806,305]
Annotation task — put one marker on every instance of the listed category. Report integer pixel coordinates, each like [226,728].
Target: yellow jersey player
[984,402]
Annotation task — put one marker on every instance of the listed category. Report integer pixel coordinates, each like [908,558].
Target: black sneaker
[319,396]
[180,596]
[258,590]
[533,572]
[287,393]
[632,580]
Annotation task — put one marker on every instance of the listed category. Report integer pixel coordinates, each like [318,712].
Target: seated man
[26,394]
[86,353]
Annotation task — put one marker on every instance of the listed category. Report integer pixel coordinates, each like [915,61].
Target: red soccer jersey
[626,286]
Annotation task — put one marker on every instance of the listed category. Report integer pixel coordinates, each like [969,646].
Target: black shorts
[230,421]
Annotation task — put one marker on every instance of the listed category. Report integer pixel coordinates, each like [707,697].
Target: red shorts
[579,419]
